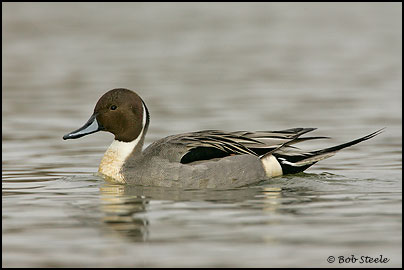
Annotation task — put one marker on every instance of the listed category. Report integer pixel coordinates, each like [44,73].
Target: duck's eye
[113,107]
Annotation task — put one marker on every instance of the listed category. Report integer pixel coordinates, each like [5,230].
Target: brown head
[119,111]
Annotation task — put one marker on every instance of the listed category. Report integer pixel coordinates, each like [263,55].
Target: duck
[194,160]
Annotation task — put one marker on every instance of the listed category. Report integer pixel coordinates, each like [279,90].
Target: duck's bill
[90,127]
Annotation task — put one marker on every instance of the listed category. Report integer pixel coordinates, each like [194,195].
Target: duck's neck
[116,156]
[119,152]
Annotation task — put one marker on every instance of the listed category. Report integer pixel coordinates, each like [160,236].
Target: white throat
[117,153]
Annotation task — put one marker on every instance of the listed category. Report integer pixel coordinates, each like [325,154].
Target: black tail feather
[298,162]
[344,145]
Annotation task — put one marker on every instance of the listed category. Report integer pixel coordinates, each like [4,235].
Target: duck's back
[164,163]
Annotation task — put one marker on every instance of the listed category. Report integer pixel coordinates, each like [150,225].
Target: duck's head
[119,111]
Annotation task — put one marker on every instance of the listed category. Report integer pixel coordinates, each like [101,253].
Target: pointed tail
[298,162]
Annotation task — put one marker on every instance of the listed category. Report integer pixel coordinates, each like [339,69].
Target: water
[202,66]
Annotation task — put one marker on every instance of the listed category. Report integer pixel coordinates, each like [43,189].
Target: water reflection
[271,198]
[125,207]
[120,211]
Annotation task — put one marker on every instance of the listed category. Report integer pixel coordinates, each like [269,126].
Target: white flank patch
[117,153]
[271,166]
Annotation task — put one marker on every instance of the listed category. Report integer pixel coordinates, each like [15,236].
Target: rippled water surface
[239,66]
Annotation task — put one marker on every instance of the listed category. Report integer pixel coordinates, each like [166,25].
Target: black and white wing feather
[211,144]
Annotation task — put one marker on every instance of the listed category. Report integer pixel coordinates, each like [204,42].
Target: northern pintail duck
[203,159]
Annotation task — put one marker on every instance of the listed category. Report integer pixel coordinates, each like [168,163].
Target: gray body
[159,165]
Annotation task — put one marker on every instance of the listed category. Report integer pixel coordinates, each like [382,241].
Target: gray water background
[240,66]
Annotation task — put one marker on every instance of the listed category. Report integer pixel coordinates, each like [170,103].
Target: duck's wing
[210,144]
[273,140]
